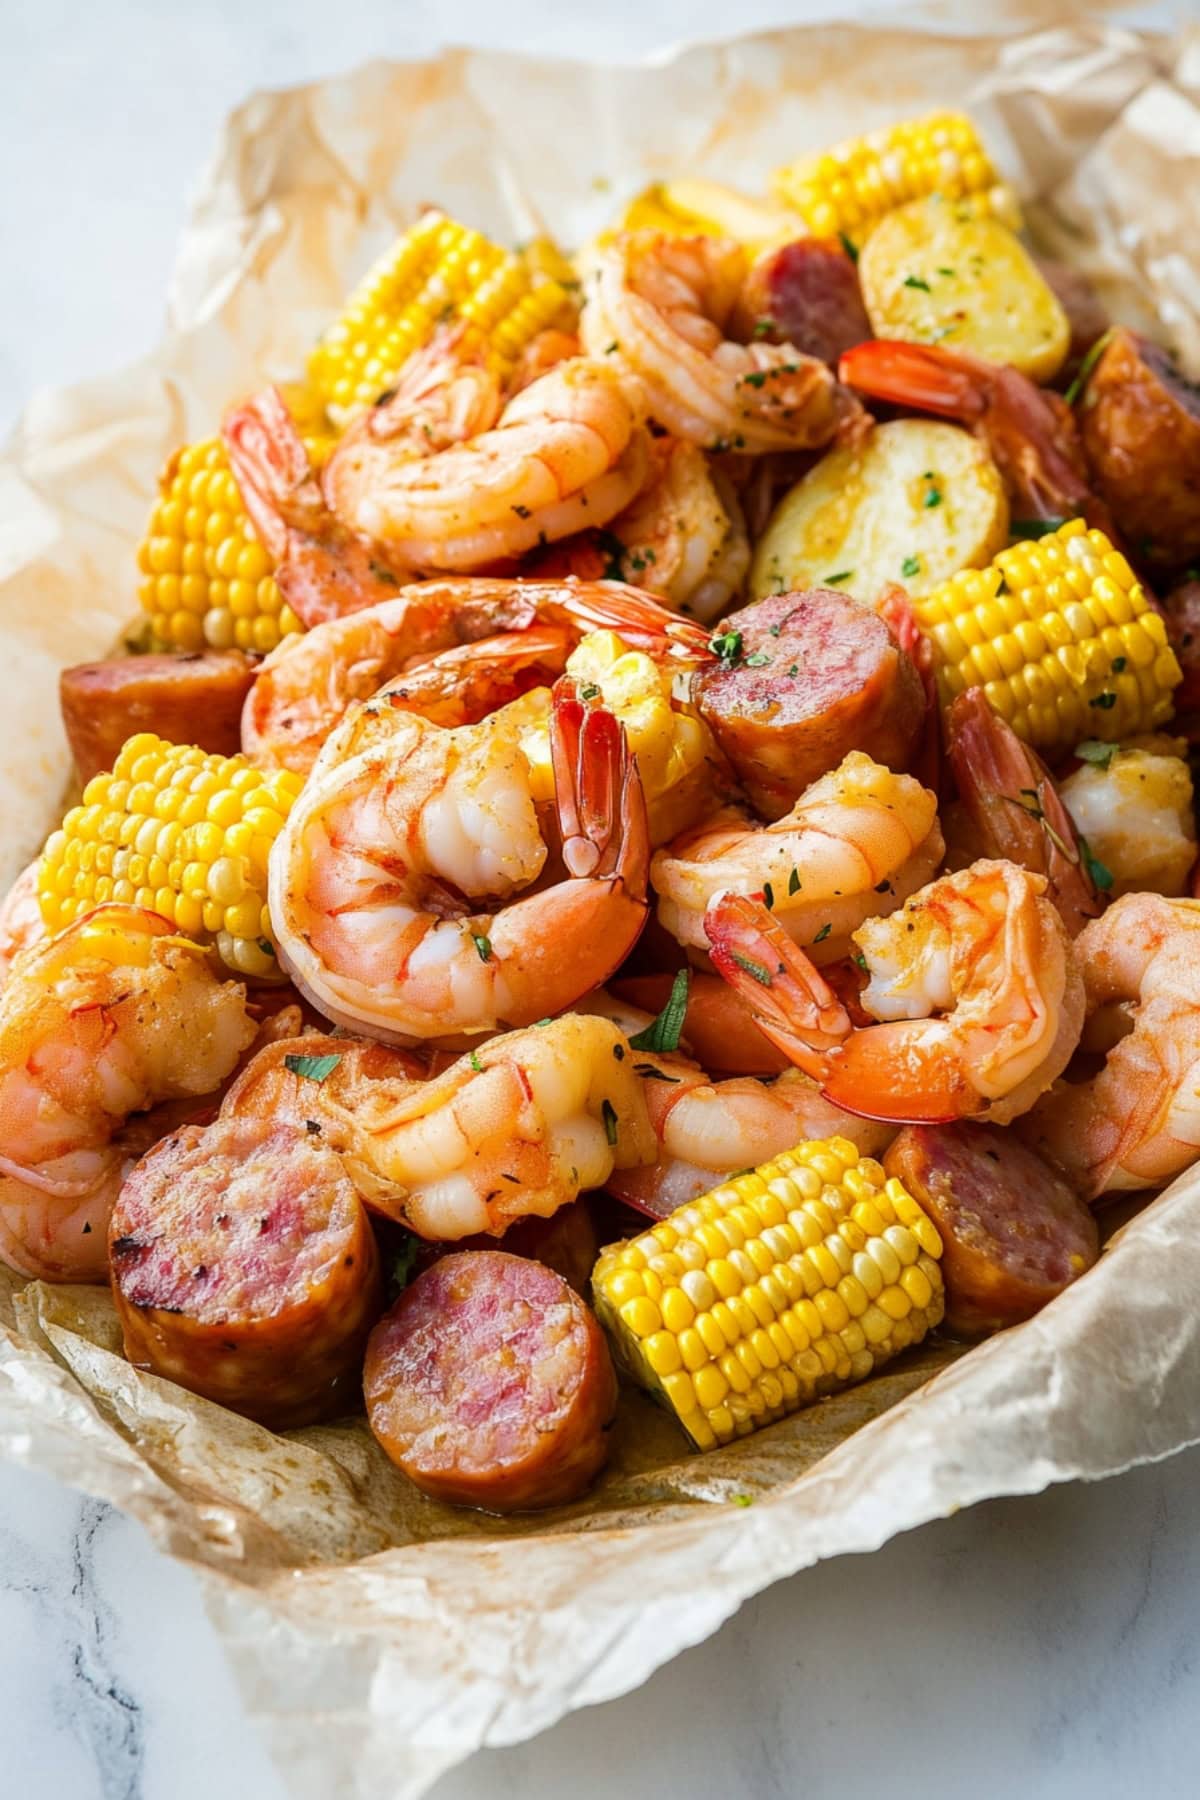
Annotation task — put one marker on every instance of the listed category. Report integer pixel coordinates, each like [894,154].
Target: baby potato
[939,271]
[914,504]
[1134,808]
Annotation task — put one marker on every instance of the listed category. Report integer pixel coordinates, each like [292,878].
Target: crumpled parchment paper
[378,1637]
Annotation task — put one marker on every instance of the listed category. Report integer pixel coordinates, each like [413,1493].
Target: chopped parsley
[768,894]
[385,575]
[1118,665]
[824,932]
[759,660]
[794,882]
[1105,701]
[1100,873]
[608,1113]
[910,566]
[400,1269]
[313,1068]
[757,970]
[1034,528]
[764,327]
[662,1036]
[1093,751]
[726,646]
[741,1499]
[916,281]
[482,944]
[476,1062]
[849,246]
[933,495]
[838,575]
[588,691]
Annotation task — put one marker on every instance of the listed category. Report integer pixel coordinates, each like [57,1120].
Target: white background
[1047,1647]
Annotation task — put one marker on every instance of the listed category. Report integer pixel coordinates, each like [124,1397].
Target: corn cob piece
[1059,634]
[783,1284]
[437,272]
[182,833]
[848,188]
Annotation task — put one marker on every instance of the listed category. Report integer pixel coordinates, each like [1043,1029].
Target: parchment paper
[378,1637]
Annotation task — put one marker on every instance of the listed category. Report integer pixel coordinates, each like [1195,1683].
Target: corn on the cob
[848,188]
[782,1284]
[183,833]
[677,758]
[438,271]
[1059,634]
[206,578]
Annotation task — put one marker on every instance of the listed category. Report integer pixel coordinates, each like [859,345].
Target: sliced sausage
[490,1384]
[1014,1233]
[808,677]
[187,699]
[804,293]
[244,1268]
[1139,418]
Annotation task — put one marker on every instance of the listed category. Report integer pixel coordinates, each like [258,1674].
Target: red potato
[187,699]
[1139,419]
[804,293]
[244,1268]
[1014,1232]
[490,1384]
[816,676]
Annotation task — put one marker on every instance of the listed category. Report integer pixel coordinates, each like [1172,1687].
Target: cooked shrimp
[1029,431]
[109,1018]
[659,306]
[682,537]
[1136,1123]
[707,1130]
[403,825]
[567,452]
[541,354]
[857,843]
[306,685]
[521,1125]
[974,981]
[1013,808]
[1136,807]
[21,922]
[718,1026]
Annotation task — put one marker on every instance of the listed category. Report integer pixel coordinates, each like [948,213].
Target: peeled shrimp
[659,306]
[109,1018]
[569,451]
[1136,1123]
[973,980]
[470,643]
[404,828]
[856,843]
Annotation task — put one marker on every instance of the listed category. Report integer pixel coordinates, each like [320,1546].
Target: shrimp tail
[638,618]
[272,469]
[898,614]
[922,376]
[792,1004]
[598,792]
[1015,806]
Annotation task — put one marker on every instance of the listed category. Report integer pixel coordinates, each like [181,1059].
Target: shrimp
[973,980]
[568,451]
[1013,808]
[659,305]
[111,1017]
[21,922]
[856,843]
[1136,1123]
[1030,433]
[306,685]
[518,1126]
[718,1027]
[402,825]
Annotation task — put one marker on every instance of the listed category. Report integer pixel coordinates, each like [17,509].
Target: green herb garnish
[313,1068]
[661,1037]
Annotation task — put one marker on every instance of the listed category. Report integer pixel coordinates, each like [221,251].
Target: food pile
[646,829]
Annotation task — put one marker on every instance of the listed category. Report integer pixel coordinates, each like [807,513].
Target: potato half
[917,502]
[938,271]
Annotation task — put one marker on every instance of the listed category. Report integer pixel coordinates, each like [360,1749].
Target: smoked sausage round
[195,698]
[1139,418]
[1014,1232]
[244,1268]
[490,1384]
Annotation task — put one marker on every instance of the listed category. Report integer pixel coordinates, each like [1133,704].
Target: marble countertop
[1047,1647]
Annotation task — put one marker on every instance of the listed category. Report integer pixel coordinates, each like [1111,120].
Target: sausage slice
[804,293]
[244,1268]
[490,1384]
[808,677]
[187,699]
[1014,1233]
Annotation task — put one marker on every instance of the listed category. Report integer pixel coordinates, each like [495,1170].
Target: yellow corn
[849,188]
[181,832]
[437,272]
[677,758]
[1060,636]
[783,1284]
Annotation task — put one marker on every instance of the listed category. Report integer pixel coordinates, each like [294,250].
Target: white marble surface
[1046,1647]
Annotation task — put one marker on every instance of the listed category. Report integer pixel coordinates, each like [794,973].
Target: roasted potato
[939,271]
[914,504]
